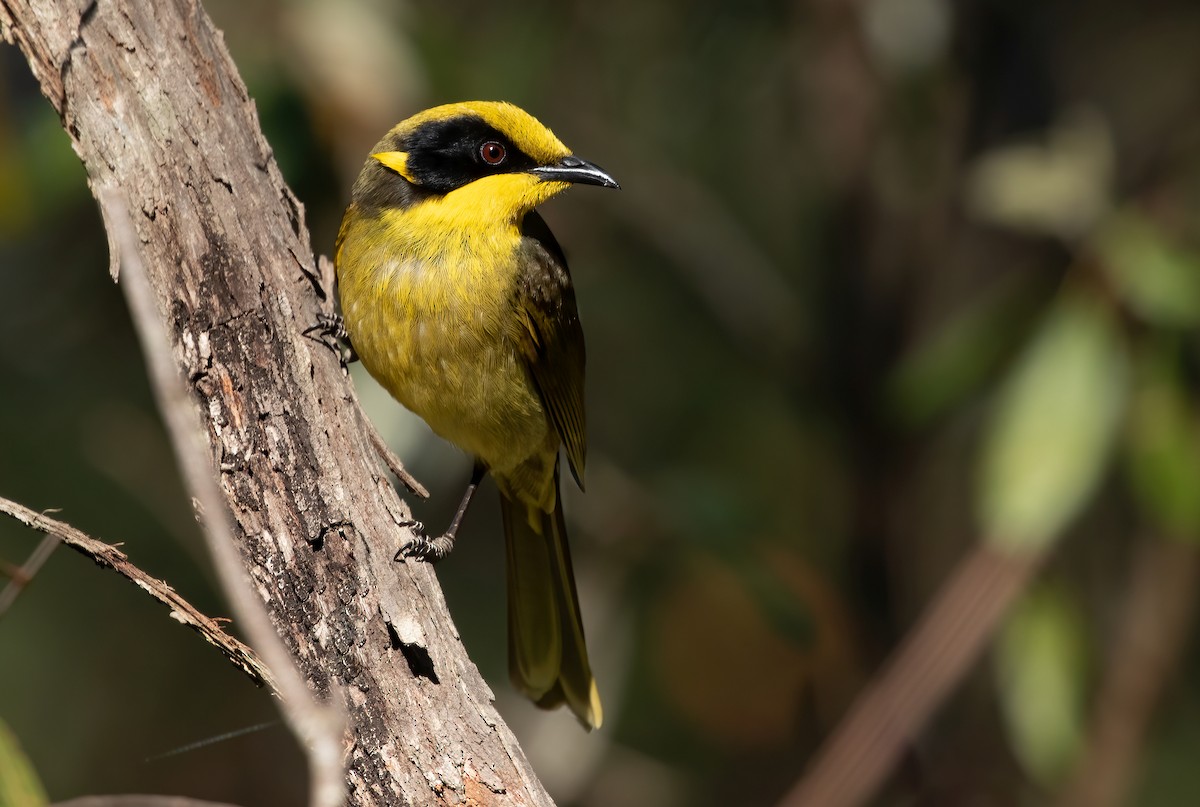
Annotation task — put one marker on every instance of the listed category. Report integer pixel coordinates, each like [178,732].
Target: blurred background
[887,279]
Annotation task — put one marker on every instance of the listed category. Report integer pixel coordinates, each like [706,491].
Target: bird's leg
[330,330]
[422,547]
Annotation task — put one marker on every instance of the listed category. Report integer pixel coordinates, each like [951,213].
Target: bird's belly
[457,368]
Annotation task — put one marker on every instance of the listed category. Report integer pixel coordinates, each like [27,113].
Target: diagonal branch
[21,576]
[138,801]
[109,557]
[156,111]
[319,725]
[1154,627]
[923,671]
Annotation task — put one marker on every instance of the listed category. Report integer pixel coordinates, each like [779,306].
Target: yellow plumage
[457,300]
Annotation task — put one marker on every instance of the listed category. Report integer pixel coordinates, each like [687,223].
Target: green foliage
[962,355]
[1056,419]
[1059,184]
[1040,670]
[1157,278]
[19,783]
[1164,443]
[876,282]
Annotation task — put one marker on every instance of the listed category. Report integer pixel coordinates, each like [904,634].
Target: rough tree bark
[155,108]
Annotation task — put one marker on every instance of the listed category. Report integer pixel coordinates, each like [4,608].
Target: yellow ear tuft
[397,161]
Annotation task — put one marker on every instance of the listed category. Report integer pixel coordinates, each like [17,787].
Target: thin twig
[391,460]
[23,575]
[212,740]
[1153,630]
[924,670]
[326,283]
[108,556]
[139,801]
[318,726]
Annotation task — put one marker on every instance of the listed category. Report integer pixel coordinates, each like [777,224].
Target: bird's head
[486,157]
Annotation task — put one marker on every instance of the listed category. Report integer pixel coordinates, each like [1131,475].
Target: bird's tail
[547,656]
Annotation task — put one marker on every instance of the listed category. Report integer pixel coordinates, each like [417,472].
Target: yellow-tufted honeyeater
[457,299]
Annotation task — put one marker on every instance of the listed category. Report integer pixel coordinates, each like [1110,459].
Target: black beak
[573,169]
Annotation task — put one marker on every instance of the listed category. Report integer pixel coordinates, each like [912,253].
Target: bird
[456,298]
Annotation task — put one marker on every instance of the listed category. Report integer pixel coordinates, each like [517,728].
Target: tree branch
[109,557]
[154,107]
[21,576]
[138,801]
[923,671]
[1156,622]
[319,726]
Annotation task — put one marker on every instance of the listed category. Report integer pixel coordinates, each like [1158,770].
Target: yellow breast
[431,318]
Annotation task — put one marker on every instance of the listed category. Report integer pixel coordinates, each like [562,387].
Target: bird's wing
[551,338]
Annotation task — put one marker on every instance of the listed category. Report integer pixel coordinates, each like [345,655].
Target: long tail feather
[547,652]
[534,634]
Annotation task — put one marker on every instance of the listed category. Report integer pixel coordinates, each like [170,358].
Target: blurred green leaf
[786,613]
[19,785]
[15,215]
[1056,420]
[1158,279]
[1040,666]
[1167,763]
[1059,185]
[1165,446]
[961,355]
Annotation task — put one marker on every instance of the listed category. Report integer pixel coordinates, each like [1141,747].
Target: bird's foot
[330,325]
[421,546]
[330,330]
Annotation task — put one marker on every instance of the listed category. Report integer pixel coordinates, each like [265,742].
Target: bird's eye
[492,153]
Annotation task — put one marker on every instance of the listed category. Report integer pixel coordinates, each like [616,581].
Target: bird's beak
[573,169]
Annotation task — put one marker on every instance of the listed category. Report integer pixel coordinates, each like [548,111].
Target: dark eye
[492,153]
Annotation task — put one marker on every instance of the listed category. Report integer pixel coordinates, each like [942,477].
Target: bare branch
[392,461]
[1156,621]
[109,557]
[21,576]
[318,725]
[153,105]
[139,801]
[924,670]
